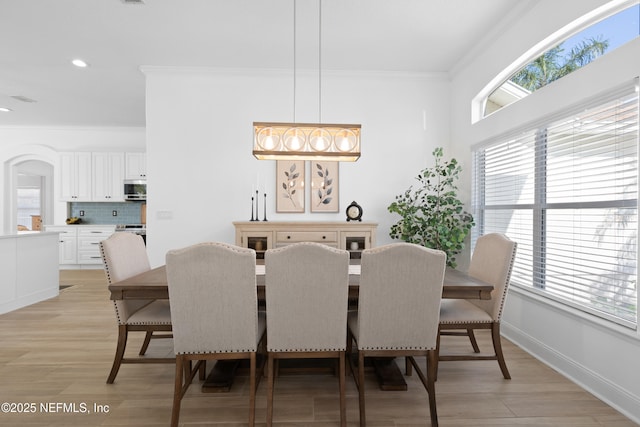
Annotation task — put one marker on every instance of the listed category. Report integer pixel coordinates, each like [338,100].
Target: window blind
[566,190]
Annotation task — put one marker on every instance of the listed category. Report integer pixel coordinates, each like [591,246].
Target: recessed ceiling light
[5,109]
[80,63]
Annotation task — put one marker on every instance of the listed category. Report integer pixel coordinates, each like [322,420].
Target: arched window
[565,51]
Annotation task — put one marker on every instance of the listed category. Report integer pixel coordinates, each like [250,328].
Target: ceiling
[41,37]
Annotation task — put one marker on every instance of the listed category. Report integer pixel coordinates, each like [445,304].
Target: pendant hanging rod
[319,61]
[294,61]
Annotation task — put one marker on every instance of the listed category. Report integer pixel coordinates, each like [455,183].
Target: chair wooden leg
[145,343]
[497,346]
[252,390]
[432,370]
[117,360]
[363,420]
[472,338]
[437,356]
[177,391]
[428,381]
[408,368]
[270,381]
[343,402]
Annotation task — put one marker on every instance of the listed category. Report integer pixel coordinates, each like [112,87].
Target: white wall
[199,140]
[602,358]
[20,144]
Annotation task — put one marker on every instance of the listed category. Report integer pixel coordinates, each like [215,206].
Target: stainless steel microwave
[135,189]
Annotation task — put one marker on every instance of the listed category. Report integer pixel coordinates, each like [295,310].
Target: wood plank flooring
[59,352]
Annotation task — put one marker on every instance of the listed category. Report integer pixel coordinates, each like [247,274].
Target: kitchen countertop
[26,234]
[81,226]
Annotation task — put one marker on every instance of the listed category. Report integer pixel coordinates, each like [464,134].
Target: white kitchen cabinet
[75,177]
[80,244]
[67,246]
[108,175]
[89,243]
[135,166]
[29,269]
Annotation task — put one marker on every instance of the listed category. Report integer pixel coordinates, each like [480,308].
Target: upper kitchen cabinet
[136,166]
[108,174]
[75,177]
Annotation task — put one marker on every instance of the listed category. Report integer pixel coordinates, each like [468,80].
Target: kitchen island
[29,266]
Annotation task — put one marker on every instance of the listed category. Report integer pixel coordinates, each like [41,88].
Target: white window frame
[479,102]
[530,256]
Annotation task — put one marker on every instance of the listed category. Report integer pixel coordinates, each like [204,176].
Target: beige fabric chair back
[213,294]
[124,255]
[307,288]
[492,262]
[400,288]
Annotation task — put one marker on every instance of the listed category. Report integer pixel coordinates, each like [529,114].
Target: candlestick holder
[257,204]
[265,207]
[252,209]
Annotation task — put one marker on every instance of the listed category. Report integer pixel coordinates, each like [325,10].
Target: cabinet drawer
[87,243]
[89,257]
[307,236]
[96,233]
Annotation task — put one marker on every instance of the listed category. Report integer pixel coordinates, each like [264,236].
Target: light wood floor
[60,351]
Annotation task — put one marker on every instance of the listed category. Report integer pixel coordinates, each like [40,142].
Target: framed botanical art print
[324,186]
[290,175]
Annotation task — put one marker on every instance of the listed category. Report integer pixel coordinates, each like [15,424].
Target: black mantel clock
[354,212]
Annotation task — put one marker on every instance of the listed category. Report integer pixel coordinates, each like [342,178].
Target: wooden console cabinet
[263,235]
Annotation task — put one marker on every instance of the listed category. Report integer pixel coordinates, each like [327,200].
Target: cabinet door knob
[324,237]
[288,237]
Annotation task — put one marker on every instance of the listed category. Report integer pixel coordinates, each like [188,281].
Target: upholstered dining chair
[214,312]
[491,262]
[306,292]
[124,255]
[400,288]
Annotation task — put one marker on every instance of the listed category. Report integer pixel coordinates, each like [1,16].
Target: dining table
[152,284]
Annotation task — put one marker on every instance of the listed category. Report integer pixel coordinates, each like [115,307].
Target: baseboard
[601,387]
[28,299]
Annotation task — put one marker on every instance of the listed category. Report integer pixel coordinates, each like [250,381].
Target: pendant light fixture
[306,141]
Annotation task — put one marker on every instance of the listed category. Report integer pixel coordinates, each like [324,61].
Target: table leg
[221,377]
[389,375]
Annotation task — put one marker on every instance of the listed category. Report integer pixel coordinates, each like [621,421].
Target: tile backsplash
[102,212]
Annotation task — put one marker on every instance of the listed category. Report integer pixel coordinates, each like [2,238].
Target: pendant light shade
[306,141]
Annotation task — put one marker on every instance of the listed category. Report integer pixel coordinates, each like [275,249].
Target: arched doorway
[29,192]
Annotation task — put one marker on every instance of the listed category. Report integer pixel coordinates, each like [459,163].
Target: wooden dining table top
[152,284]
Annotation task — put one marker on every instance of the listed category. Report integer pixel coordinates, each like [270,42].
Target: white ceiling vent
[22,98]
[132,1]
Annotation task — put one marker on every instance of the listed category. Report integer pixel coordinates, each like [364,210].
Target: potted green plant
[431,214]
